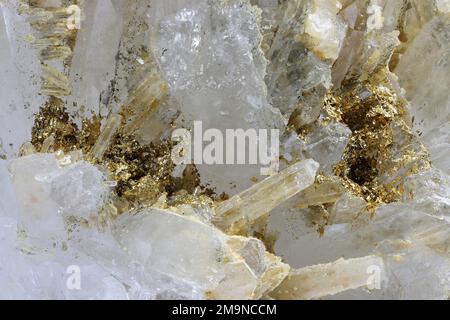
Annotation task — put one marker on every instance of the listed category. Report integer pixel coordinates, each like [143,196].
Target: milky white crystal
[93,61]
[325,31]
[225,267]
[18,65]
[48,191]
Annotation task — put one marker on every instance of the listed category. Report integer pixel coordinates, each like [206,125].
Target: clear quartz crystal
[306,44]
[18,65]
[326,144]
[425,86]
[94,55]
[77,189]
[216,77]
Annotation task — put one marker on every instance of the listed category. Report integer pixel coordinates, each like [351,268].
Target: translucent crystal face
[224,149]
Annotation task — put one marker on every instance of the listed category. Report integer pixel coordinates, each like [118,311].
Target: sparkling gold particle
[371,163]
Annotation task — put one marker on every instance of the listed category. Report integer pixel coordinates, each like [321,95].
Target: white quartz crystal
[18,65]
[221,266]
[31,221]
[94,56]
[322,280]
[77,189]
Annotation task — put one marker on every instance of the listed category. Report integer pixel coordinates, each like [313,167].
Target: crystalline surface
[53,191]
[327,142]
[37,224]
[183,44]
[307,42]
[322,280]
[266,195]
[216,77]
[418,226]
[93,63]
[425,83]
[18,65]
[216,266]
[351,199]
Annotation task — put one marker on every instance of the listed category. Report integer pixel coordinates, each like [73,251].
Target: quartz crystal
[208,68]
[224,149]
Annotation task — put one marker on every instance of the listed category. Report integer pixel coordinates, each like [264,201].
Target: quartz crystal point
[307,42]
[216,76]
[18,65]
[94,55]
[318,281]
[266,195]
[104,140]
[426,84]
[222,267]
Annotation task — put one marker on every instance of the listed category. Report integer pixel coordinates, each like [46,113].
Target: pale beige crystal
[318,281]
[266,195]
[105,138]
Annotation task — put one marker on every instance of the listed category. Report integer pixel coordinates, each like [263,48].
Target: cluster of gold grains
[372,166]
[53,122]
[142,172]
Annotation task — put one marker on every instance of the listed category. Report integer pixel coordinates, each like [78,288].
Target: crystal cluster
[94,205]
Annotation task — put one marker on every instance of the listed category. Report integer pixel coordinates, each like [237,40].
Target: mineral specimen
[102,198]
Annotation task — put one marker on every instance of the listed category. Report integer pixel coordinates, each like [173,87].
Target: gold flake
[376,117]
